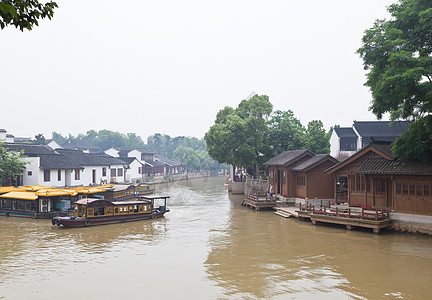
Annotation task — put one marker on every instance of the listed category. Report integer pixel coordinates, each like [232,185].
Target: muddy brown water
[210,247]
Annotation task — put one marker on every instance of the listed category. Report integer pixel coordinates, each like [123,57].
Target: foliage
[11,164]
[24,14]
[39,139]
[165,145]
[420,135]
[285,132]
[317,140]
[252,134]
[398,55]
[58,138]
[237,137]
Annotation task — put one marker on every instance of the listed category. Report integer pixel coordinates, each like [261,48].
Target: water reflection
[261,255]
[210,247]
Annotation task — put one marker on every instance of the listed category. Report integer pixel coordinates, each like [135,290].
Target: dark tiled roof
[380,166]
[90,159]
[168,161]
[345,132]
[128,160]
[155,163]
[381,128]
[58,161]
[79,144]
[286,157]
[383,147]
[29,149]
[2,130]
[312,161]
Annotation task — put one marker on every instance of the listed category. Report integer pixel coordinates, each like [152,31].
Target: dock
[364,217]
[259,202]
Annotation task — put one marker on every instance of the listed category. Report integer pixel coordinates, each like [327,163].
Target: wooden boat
[91,211]
[43,203]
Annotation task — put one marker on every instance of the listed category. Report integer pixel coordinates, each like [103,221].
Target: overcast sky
[169,66]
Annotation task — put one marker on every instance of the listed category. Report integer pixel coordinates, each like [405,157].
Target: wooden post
[349,212]
[376,214]
[336,211]
[362,213]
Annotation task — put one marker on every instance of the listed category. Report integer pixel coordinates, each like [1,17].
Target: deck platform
[351,217]
[259,203]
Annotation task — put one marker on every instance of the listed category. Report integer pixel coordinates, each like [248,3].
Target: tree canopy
[237,137]
[24,14]
[11,165]
[251,134]
[397,55]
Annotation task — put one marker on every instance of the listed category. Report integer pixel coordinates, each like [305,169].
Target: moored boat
[92,211]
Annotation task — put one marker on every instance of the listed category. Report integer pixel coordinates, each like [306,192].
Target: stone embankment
[178,177]
[411,223]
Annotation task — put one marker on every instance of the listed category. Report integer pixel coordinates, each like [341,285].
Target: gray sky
[169,66]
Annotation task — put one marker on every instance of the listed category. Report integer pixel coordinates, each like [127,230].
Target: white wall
[334,144]
[33,167]
[132,174]
[136,154]
[112,152]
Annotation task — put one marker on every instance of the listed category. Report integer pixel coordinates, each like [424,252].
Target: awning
[56,192]
[20,195]
[34,188]
[7,189]
[89,190]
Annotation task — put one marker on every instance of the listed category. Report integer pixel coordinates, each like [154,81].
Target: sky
[169,66]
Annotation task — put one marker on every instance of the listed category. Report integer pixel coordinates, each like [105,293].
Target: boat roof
[154,197]
[86,201]
[20,195]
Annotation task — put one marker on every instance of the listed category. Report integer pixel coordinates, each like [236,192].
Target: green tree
[39,139]
[237,137]
[397,55]
[420,135]
[58,138]
[285,132]
[317,139]
[188,156]
[11,165]
[24,14]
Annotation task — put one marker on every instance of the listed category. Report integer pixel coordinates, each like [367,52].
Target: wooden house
[374,177]
[300,173]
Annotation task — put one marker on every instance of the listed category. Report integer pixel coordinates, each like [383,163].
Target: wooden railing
[363,213]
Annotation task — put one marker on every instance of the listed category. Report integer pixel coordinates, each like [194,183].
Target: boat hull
[29,214]
[71,222]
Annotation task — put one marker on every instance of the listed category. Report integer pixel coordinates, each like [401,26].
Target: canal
[210,247]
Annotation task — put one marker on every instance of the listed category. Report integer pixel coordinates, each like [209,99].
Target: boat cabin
[91,207]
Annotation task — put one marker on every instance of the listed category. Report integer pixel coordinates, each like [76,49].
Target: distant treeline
[189,150]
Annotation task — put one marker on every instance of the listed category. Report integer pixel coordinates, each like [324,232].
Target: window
[58,175]
[139,170]
[119,172]
[398,188]
[47,175]
[103,172]
[77,174]
[426,189]
[412,189]
[301,180]
[357,177]
[405,188]
[419,189]
[113,172]
[29,173]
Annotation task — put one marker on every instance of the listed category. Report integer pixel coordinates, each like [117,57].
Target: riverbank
[179,177]
[400,222]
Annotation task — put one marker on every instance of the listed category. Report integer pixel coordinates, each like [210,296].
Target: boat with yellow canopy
[93,211]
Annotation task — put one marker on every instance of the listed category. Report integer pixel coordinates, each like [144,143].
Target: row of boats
[84,206]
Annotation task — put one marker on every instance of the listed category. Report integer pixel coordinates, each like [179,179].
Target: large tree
[11,165]
[397,54]
[237,137]
[285,132]
[24,14]
[317,139]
